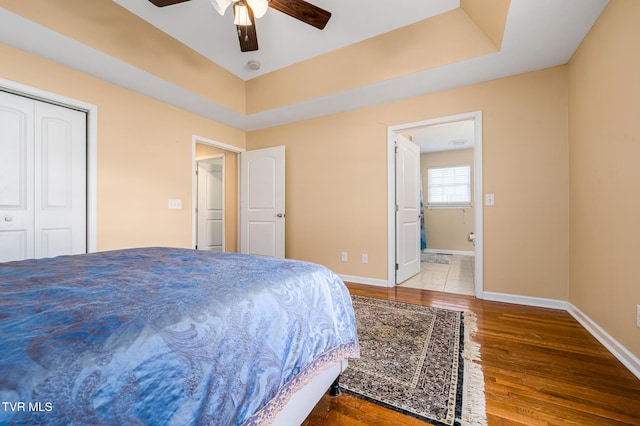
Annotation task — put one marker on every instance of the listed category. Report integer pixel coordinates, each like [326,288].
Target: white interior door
[407,209]
[42,179]
[60,181]
[262,218]
[16,178]
[210,235]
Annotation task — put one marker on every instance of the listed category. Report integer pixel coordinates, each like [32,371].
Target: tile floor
[455,277]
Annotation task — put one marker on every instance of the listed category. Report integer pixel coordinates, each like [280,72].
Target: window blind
[449,186]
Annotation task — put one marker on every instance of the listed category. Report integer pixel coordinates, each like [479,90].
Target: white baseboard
[363,280]
[629,360]
[525,300]
[460,252]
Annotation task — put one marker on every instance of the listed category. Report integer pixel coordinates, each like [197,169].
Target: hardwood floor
[541,367]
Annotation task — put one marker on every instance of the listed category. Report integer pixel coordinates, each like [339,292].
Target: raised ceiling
[283,41]
[532,34]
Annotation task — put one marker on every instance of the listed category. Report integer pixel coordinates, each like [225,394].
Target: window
[449,186]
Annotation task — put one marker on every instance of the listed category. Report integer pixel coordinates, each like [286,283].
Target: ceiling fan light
[241,15]
[259,7]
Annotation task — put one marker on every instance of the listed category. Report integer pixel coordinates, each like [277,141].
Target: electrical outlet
[344,256]
[365,258]
[489,200]
[638,316]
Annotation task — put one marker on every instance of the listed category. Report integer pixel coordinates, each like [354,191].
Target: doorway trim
[195,139]
[92,145]
[221,156]
[477,193]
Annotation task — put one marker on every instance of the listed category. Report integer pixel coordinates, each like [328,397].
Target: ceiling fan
[246,11]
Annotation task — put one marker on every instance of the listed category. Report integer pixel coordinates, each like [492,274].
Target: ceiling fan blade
[247,35]
[303,11]
[162,3]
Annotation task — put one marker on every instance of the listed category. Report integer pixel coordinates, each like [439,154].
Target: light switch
[489,200]
[175,204]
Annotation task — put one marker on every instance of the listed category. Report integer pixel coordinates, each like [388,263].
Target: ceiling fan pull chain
[246,35]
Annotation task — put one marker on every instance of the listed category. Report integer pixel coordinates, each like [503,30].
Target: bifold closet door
[42,179]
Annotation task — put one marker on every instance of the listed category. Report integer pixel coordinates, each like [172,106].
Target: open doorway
[451,243]
[217,162]
[210,210]
[240,195]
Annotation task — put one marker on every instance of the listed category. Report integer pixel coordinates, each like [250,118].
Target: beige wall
[448,229]
[335,190]
[604,117]
[204,151]
[491,16]
[336,172]
[337,181]
[144,153]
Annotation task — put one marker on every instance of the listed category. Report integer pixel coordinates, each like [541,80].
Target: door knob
[280,215]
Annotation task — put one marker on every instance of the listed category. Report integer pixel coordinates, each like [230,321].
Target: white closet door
[16,178]
[60,181]
[42,179]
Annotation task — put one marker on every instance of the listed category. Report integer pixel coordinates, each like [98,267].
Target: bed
[168,336]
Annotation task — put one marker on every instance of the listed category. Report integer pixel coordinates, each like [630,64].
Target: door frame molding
[222,156]
[195,139]
[477,193]
[92,144]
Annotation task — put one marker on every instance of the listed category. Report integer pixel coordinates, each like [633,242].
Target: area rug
[418,360]
[444,259]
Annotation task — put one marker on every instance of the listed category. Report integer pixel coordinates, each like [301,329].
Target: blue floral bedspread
[161,336]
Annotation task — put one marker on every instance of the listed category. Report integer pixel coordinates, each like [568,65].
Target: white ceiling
[538,34]
[443,137]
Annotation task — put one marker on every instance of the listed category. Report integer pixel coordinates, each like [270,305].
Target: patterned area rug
[435,258]
[417,360]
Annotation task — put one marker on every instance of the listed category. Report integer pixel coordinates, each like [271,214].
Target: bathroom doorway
[450,147]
